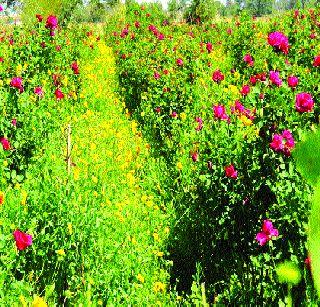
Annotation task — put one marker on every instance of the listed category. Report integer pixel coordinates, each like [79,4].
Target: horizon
[165,2]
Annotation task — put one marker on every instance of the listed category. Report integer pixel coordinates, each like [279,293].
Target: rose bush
[231,122]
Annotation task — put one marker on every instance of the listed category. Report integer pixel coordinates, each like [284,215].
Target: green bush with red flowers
[38,86]
[225,104]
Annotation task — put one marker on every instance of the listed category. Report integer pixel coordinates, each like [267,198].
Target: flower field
[147,162]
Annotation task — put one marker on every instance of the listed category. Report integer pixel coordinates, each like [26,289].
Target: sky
[165,2]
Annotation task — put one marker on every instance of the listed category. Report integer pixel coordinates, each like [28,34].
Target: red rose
[217,76]
[316,61]
[39,17]
[23,240]
[75,68]
[5,143]
[59,94]
[231,172]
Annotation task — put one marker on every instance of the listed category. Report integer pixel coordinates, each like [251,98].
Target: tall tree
[259,7]
[177,7]
[292,4]
[231,8]
[202,10]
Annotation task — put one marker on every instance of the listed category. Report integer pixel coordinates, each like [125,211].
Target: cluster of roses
[240,110]
[24,240]
[283,142]
[258,77]
[156,32]
[279,42]
[51,23]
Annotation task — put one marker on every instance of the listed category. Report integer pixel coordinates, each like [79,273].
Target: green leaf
[288,272]
[49,290]
[314,238]
[307,157]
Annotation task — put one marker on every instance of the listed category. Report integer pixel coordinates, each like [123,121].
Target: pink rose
[245,90]
[174,114]
[156,75]
[209,47]
[16,82]
[179,62]
[283,142]
[195,157]
[316,61]
[200,123]
[248,59]
[275,78]
[220,112]
[38,91]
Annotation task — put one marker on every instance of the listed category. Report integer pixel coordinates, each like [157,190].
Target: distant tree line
[191,10]
[195,10]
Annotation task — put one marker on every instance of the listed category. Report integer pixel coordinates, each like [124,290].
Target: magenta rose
[195,157]
[200,123]
[75,68]
[58,93]
[52,22]
[209,47]
[220,112]
[304,102]
[268,231]
[245,90]
[293,81]
[283,142]
[279,41]
[248,59]
[275,78]
[16,82]
[179,62]
[38,91]
[316,61]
